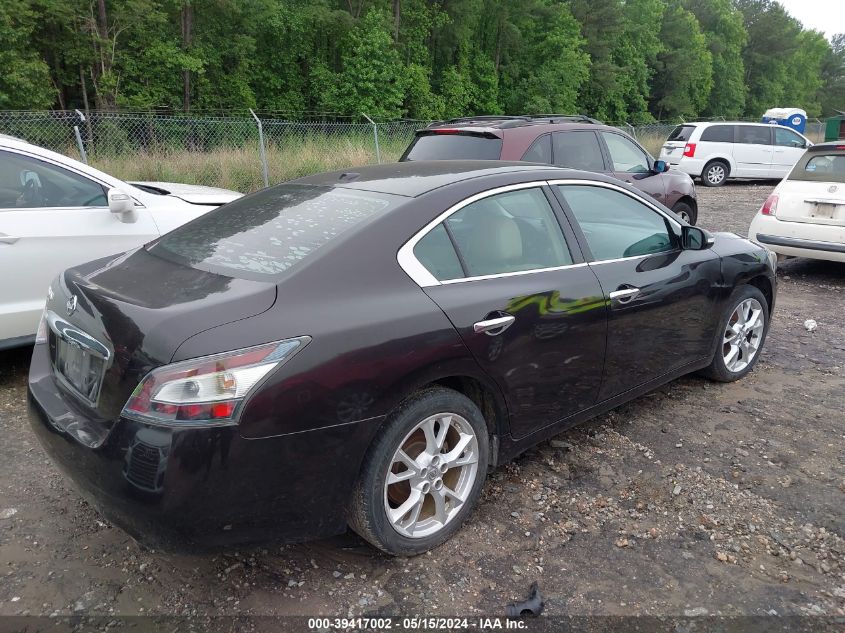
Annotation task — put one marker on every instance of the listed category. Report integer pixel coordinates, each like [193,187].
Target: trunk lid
[129,315]
[811,202]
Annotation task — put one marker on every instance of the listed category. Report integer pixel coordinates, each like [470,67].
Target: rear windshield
[681,133]
[454,147]
[820,167]
[262,235]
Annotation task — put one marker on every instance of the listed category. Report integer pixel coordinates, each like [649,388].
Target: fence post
[375,137]
[631,128]
[261,148]
[78,136]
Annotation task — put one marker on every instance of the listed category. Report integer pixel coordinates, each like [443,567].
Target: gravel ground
[698,498]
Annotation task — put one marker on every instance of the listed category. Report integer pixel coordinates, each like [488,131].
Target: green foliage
[618,60]
[684,76]
[25,77]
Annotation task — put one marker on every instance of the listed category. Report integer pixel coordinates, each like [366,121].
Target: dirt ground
[698,498]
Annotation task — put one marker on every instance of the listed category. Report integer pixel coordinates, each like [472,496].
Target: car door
[753,151]
[788,148]
[527,307]
[662,299]
[51,218]
[632,164]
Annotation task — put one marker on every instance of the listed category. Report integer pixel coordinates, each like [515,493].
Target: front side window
[787,138]
[30,184]
[615,224]
[754,135]
[262,235]
[626,156]
[503,233]
[578,150]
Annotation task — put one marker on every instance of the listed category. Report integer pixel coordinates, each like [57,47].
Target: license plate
[82,370]
[822,211]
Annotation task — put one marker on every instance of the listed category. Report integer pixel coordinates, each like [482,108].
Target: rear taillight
[770,206]
[207,390]
[689,150]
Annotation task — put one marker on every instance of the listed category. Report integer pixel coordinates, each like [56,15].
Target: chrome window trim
[419,273]
[633,196]
[423,278]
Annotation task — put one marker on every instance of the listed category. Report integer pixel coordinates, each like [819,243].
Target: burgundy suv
[578,142]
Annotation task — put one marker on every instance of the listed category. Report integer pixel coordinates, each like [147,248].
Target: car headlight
[207,390]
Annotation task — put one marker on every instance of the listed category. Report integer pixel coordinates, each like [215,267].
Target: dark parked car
[361,347]
[577,142]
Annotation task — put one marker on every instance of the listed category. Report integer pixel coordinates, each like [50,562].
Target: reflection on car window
[436,253]
[540,151]
[625,155]
[718,134]
[508,232]
[615,224]
[754,134]
[578,150]
[787,138]
[29,183]
[270,231]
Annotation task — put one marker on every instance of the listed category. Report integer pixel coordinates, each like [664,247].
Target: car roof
[757,123]
[504,122]
[415,178]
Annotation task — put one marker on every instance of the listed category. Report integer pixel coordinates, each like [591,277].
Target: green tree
[805,71]
[726,36]
[25,77]
[832,93]
[684,70]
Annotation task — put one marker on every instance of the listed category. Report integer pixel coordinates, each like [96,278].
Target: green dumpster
[835,127]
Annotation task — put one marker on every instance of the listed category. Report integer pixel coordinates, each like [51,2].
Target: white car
[56,212]
[805,215]
[715,152]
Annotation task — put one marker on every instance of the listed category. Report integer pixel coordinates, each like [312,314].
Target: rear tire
[423,474]
[715,173]
[741,335]
[686,211]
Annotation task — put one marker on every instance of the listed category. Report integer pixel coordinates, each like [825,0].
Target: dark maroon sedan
[576,142]
[360,348]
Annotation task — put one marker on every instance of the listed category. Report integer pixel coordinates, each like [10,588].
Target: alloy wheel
[431,475]
[743,335]
[716,174]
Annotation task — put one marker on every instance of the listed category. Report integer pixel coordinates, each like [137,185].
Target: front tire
[741,335]
[686,211]
[715,173]
[423,475]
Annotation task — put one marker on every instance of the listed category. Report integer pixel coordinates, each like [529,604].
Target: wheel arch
[722,158]
[764,285]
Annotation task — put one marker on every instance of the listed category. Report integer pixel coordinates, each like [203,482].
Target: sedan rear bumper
[798,239]
[202,486]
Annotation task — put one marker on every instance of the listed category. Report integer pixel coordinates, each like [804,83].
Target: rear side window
[578,150]
[436,253]
[441,146]
[681,133]
[827,167]
[540,151]
[262,235]
[718,134]
[754,134]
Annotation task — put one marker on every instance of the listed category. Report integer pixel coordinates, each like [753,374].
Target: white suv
[721,150]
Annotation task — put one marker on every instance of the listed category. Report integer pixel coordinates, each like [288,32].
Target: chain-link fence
[226,151]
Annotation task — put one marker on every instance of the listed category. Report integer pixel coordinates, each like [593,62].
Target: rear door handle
[624,295]
[8,239]
[493,327]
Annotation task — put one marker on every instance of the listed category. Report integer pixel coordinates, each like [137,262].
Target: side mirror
[122,205]
[696,239]
[660,166]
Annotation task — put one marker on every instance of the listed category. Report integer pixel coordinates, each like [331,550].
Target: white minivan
[717,151]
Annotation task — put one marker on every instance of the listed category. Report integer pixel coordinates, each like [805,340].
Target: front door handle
[624,295]
[493,327]
[8,239]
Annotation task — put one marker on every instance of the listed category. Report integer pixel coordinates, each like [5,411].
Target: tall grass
[240,168]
